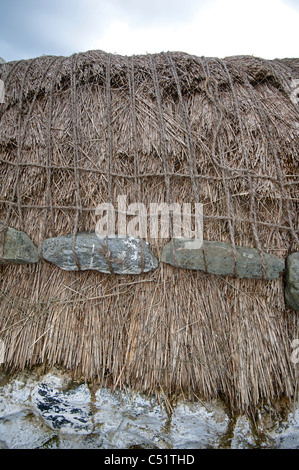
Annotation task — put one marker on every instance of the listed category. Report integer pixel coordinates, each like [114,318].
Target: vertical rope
[109,126]
[217,141]
[3,230]
[19,148]
[231,218]
[130,66]
[191,155]
[252,183]
[281,181]
[48,195]
[110,146]
[162,130]
[163,146]
[76,158]
[190,145]
[131,79]
[21,136]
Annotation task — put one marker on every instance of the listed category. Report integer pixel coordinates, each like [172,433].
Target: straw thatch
[172,127]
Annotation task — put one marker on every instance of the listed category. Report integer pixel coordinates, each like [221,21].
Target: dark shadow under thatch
[81,130]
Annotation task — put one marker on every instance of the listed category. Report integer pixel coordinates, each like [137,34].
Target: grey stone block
[219,257]
[292,281]
[17,248]
[117,255]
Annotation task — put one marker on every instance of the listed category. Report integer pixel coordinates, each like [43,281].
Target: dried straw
[170,127]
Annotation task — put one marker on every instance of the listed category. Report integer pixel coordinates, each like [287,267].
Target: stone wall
[40,411]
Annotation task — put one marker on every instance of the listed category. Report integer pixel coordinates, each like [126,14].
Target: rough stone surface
[52,411]
[18,248]
[65,410]
[119,255]
[242,435]
[292,281]
[285,434]
[220,260]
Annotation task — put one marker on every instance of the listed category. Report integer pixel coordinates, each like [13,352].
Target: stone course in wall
[42,411]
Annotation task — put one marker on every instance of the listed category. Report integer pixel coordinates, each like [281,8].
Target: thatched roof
[77,131]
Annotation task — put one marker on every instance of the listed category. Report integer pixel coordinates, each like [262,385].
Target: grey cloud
[31,28]
[292,3]
[156,11]
[60,27]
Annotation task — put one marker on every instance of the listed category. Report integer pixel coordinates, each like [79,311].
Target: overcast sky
[263,28]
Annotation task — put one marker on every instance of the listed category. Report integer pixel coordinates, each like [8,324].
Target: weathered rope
[206,216]
[163,148]
[217,141]
[151,175]
[21,135]
[190,145]
[16,189]
[76,158]
[131,80]
[109,126]
[281,181]
[130,65]
[252,185]
[162,129]
[104,250]
[3,230]
[48,166]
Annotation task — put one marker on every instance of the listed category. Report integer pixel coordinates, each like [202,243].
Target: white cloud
[265,28]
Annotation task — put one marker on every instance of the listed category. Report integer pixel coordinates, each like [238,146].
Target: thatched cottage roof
[77,131]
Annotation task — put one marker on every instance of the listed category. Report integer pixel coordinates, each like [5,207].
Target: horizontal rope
[147,175]
[92,209]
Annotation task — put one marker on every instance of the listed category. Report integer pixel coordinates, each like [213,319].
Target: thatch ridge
[77,131]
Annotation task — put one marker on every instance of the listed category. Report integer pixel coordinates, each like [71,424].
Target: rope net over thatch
[79,131]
